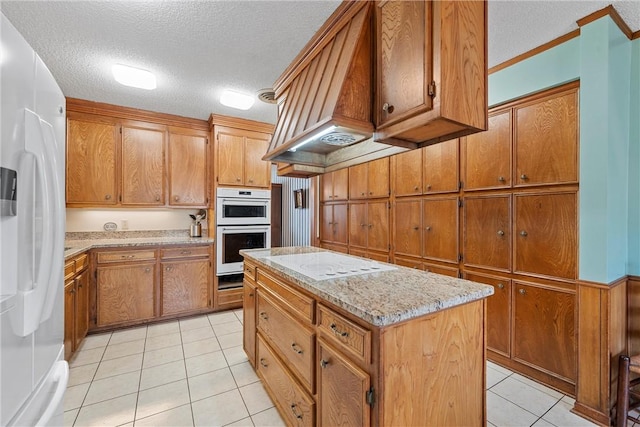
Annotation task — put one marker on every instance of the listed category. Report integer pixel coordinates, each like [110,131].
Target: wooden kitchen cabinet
[546,139]
[498,312]
[407,225]
[239,157]
[334,185]
[487,155]
[92,148]
[334,223]
[369,226]
[422,92]
[185,285]
[440,173]
[369,180]
[407,177]
[143,172]
[188,167]
[249,319]
[544,330]
[440,228]
[546,234]
[76,303]
[487,231]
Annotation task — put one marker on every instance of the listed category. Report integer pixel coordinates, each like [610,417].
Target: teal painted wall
[601,57]
[633,266]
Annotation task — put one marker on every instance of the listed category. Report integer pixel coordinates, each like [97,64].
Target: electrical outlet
[124,224]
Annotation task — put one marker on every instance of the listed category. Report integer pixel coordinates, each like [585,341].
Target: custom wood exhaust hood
[429,64]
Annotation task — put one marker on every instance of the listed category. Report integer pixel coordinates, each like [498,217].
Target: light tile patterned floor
[194,372]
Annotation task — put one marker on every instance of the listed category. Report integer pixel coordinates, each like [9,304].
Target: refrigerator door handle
[61,376]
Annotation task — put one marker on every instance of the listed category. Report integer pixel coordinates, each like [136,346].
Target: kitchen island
[343,340]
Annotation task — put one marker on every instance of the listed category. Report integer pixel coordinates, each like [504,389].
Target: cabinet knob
[237,179]
[370,225]
[500,286]
[387,108]
[251,294]
[72,291]
[146,270]
[107,197]
[362,194]
[363,225]
[428,187]
[168,269]
[524,177]
[501,179]
[522,291]
[500,233]
[176,198]
[324,363]
[428,228]
[293,409]
[263,363]
[370,193]
[416,228]
[416,188]
[524,233]
[251,181]
[264,316]
[157,198]
[296,348]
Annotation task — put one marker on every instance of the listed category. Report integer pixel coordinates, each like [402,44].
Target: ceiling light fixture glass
[134,77]
[235,99]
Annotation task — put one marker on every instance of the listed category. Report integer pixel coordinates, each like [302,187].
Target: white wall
[137,219]
[296,223]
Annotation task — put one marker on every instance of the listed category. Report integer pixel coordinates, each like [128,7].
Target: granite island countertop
[75,247]
[380,298]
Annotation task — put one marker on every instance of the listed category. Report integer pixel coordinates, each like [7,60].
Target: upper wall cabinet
[334,185]
[143,169]
[188,166]
[431,63]
[239,157]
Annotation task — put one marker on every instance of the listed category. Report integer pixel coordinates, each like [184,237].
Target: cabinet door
[185,286]
[326,187]
[407,178]
[440,172]
[342,390]
[403,46]
[378,178]
[487,155]
[440,232]
[142,166]
[358,225]
[326,225]
[188,170]
[125,293]
[340,184]
[378,226]
[257,172]
[498,312]
[546,234]
[358,181]
[82,307]
[230,157]
[340,217]
[407,227]
[546,140]
[249,320]
[487,231]
[69,318]
[91,162]
[544,329]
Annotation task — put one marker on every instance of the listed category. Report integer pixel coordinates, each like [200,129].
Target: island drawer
[185,252]
[249,271]
[295,405]
[123,256]
[345,333]
[293,300]
[294,342]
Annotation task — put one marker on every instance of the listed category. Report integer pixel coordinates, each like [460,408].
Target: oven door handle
[247,202]
[244,228]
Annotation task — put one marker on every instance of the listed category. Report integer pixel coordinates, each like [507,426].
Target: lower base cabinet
[76,303]
[185,286]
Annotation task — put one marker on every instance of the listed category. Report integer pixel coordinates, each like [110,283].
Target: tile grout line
[186,376]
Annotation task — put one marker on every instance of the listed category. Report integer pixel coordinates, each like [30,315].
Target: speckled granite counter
[75,247]
[381,298]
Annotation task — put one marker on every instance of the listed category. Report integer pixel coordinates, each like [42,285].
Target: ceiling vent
[267,95]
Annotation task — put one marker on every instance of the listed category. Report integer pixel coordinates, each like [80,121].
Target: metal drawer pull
[335,330]
[251,294]
[522,291]
[524,177]
[324,363]
[262,363]
[523,233]
[500,286]
[185,252]
[168,268]
[128,256]
[264,316]
[296,348]
[293,409]
[500,233]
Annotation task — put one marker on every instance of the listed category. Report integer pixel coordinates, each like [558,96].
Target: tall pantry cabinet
[498,207]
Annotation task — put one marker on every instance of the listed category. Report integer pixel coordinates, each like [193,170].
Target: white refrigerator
[33,373]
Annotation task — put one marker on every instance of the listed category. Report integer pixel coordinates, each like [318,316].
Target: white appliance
[329,265]
[243,218]
[33,374]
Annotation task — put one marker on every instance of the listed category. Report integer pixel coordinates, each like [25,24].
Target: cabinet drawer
[82,262]
[122,256]
[294,341]
[345,333]
[184,252]
[295,405]
[69,269]
[249,271]
[292,300]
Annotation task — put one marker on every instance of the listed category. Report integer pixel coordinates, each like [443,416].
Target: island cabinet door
[342,390]
[185,286]
[440,228]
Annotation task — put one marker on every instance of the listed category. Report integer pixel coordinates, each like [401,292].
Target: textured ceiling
[198,48]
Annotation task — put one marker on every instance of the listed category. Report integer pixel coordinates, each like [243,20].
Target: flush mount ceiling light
[235,99]
[134,77]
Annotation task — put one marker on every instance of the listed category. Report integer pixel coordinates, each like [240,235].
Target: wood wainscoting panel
[441,375]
